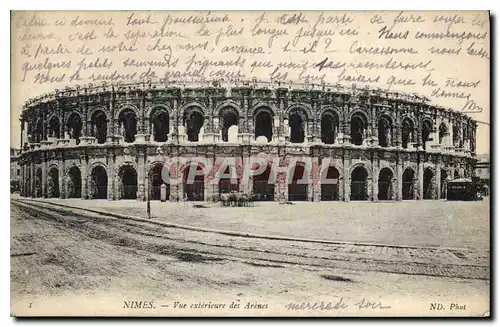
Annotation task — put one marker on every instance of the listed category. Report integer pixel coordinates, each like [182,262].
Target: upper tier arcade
[243,112]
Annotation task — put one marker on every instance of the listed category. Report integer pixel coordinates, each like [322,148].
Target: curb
[234,233]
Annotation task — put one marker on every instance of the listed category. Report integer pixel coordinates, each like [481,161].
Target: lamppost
[148,196]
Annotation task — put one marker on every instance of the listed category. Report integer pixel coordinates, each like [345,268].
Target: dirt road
[59,253]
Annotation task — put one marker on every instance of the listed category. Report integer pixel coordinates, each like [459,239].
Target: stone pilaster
[347,177]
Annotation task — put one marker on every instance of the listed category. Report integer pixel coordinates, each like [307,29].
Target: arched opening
[38,183]
[428,187]
[358,127]
[330,190]
[193,121]
[54,127]
[329,127]
[297,121]
[456,174]
[228,117]
[74,183]
[297,187]
[264,125]
[385,190]
[75,127]
[426,133]
[53,183]
[99,188]
[408,184]
[157,182]
[444,177]
[443,132]
[39,131]
[385,132]
[128,182]
[407,132]
[457,139]
[194,189]
[128,125]
[99,127]
[262,189]
[226,185]
[359,184]
[160,125]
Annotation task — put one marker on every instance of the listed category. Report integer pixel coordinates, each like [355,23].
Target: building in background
[482,172]
[15,170]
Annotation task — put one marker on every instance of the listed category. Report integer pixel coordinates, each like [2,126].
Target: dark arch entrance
[100,183]
[329,127]
[385,191]
[99,124]
[75,127]
[262,189]
[297,127]
[408,184]
[160,125]
[157,181]
[128,125]
[444,176]
[330,192]
[358,127]
[53,184]
[38,183]
[443,131]
[194,190]
[129,182]
[407,132]
[384,132]
[264,125]
[193,121]
[225,184]
[359,184]
[228,118]
[297,191]
[428,175]
[426,132]
[74,187]
[54,128]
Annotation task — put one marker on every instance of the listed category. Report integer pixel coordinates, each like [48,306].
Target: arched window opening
[298,183]
[226,185]
[385,190]
[74,183]
[129,183]
[359,185]
[262,189]
[53,183]
[157,181]
[297,128]
[407,133]
[428,187]
[426,133]
[99,181]
[264,125]
[128,125]
[99,126]
[384,132]
[358,127]
[160,125]
[330,190]
[329,127]
[228,117]
[75,127]
[54,127]
[193,121]
[194,189]
[443,132]
[408,184]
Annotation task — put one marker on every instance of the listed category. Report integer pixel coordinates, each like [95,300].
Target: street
[58,252]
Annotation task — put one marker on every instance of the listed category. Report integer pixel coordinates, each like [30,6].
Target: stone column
[420,183]
[83,171]
[141,174]
[374,178]
[316,179]
[438,180]
[33,176]
[62,185]
[399,179]
[111,176]
[347,177]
